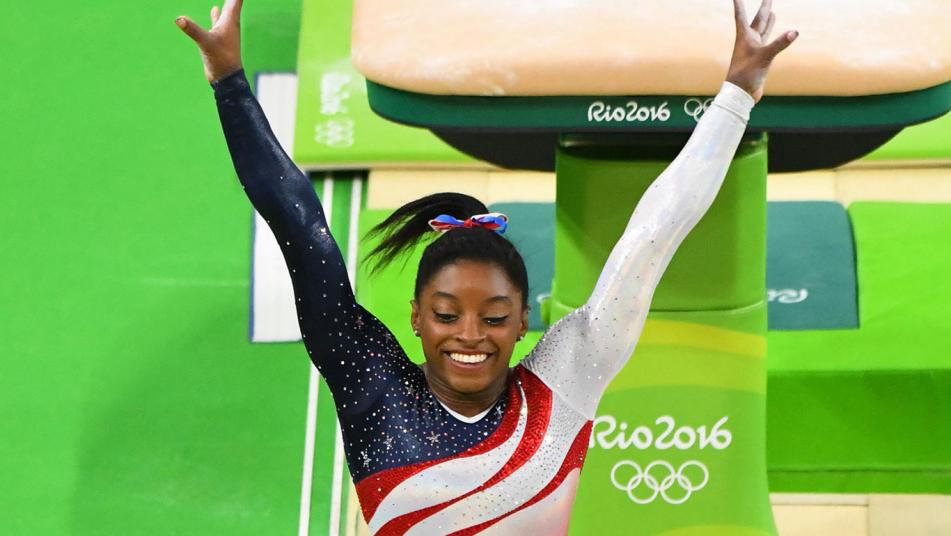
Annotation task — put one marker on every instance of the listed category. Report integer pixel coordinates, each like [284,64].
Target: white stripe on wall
[274,318]
[336,507]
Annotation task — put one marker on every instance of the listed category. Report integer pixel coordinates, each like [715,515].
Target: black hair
[409,225]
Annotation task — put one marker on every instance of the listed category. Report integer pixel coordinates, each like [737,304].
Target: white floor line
[353,237]
[352,245]
[309,437]
[336,491]
[310,433]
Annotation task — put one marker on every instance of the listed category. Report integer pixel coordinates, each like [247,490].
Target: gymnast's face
[469,316]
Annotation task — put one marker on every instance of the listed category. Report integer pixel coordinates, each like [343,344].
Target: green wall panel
[132,401]
[335,126]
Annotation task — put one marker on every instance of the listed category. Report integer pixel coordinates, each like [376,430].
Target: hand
[751,55]
[221,45]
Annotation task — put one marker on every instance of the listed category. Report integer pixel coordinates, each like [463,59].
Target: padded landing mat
[532,232]
[810,266]
[867,409]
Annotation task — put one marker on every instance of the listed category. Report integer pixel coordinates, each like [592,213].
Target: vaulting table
[605,92]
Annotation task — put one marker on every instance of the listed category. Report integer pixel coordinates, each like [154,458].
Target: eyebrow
[442,294]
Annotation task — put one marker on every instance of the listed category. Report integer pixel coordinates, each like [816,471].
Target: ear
[523,325]
[414,316]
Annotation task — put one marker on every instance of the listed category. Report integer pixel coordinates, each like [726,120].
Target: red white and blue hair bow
[493,221]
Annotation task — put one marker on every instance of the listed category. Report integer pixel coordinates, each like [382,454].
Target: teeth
[467,358]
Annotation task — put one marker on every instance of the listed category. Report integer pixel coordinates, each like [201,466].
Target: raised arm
[341,337]
[586,349]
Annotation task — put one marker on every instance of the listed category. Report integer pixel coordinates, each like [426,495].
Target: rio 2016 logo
[787,295]
[631,112]
[643,484]
[606,433]
[337,130]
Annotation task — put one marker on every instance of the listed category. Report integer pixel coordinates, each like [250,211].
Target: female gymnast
[464,444]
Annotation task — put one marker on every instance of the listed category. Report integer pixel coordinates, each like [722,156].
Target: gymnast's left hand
[752,55]
[221,44]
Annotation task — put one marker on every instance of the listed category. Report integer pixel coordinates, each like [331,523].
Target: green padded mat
[531,228]
[728,242]
[810,266]
[866,410]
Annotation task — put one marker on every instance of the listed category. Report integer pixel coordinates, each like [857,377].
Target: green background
[131,399]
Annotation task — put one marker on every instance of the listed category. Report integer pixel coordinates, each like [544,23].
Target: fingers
[780,43]
[769,26]
[739,13]
[761,20]
[231,11]
[196,32]
[215,13]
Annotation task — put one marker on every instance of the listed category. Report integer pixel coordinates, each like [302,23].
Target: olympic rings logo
[335,133]
[695,107]
[657,486]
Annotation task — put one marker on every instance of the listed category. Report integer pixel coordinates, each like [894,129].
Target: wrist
[231,84]
[735,99]
[742,82]
[220,74]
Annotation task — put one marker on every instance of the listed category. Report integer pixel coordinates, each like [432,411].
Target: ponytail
[409,225]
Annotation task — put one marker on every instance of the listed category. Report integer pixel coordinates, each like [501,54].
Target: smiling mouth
[468,359]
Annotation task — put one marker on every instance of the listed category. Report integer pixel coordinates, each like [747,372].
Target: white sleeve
[581,353]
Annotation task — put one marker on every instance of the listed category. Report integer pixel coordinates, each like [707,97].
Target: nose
[471,331]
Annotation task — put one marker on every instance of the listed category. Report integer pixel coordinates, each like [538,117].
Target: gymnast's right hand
[221,45]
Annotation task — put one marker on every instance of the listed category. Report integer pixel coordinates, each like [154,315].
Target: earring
[520,337]
[416,332]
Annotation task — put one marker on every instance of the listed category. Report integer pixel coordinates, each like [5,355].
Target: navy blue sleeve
[352,349]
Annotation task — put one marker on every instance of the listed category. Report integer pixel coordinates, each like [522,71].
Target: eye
[444,317]
[495,320]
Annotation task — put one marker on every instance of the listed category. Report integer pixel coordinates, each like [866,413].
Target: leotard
[417,468]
